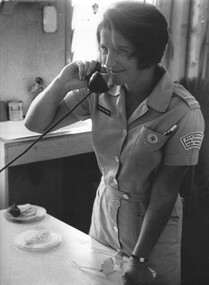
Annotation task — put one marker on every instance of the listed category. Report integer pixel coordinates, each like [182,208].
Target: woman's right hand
[46,108]
[137,273]
[73,75]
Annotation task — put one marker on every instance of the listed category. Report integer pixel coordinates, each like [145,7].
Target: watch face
[142,259]
[139,259]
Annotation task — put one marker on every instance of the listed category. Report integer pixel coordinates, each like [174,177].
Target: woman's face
[116,53]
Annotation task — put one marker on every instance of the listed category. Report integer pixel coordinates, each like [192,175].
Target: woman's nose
[110,61]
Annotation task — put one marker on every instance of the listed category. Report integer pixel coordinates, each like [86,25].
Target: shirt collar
[160,97]
[114,90]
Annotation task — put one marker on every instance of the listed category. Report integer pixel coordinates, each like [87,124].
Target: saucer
[29,214]
[38,239]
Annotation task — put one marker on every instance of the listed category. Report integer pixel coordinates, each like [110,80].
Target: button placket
[116,203]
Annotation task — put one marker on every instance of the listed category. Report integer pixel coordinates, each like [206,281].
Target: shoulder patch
[192,140]
[180,91]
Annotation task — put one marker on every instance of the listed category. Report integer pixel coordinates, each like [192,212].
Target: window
[86,16]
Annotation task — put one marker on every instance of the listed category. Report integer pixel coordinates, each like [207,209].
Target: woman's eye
[103,50]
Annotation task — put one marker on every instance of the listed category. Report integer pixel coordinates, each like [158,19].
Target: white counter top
[55,266]
[13,130]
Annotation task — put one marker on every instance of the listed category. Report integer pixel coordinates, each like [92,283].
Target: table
[53,267]
[15,138]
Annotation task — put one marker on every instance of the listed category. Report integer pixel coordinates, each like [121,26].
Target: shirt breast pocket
[150,140]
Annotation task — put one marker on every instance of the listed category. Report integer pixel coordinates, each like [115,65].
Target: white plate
[38,239]
[31,213]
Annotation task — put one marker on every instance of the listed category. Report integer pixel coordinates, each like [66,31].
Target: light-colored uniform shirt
[166,128]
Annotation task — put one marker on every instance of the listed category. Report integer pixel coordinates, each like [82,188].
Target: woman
[146,131]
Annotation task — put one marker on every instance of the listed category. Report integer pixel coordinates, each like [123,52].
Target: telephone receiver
[95,81]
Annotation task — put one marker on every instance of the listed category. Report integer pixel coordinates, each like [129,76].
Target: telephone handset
[95,83]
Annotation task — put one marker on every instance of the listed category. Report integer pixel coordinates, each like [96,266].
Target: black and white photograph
[104,142]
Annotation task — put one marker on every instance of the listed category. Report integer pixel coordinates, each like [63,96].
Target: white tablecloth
[53,267]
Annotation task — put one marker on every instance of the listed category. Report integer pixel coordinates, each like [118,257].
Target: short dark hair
[143,25]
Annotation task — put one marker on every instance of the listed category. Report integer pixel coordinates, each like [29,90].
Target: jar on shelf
[15,110]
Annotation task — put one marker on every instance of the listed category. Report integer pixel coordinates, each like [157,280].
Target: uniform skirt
[116,222]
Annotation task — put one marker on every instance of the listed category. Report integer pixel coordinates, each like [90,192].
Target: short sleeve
[73,98]
[183,147]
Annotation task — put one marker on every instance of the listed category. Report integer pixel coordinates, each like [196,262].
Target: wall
[26,51]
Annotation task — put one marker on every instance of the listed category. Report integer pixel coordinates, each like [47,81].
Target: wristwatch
[139,259]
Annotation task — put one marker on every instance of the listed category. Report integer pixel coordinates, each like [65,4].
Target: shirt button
[144,108]
[115,229]
[117,203]
[125,196]
[117,159]
[124,132]
[115,181]
[111,179]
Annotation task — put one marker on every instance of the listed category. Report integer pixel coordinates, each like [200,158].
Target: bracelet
[139,259]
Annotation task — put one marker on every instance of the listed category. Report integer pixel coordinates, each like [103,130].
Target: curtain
[187,54]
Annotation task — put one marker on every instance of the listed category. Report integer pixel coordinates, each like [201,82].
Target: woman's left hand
[137,273]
